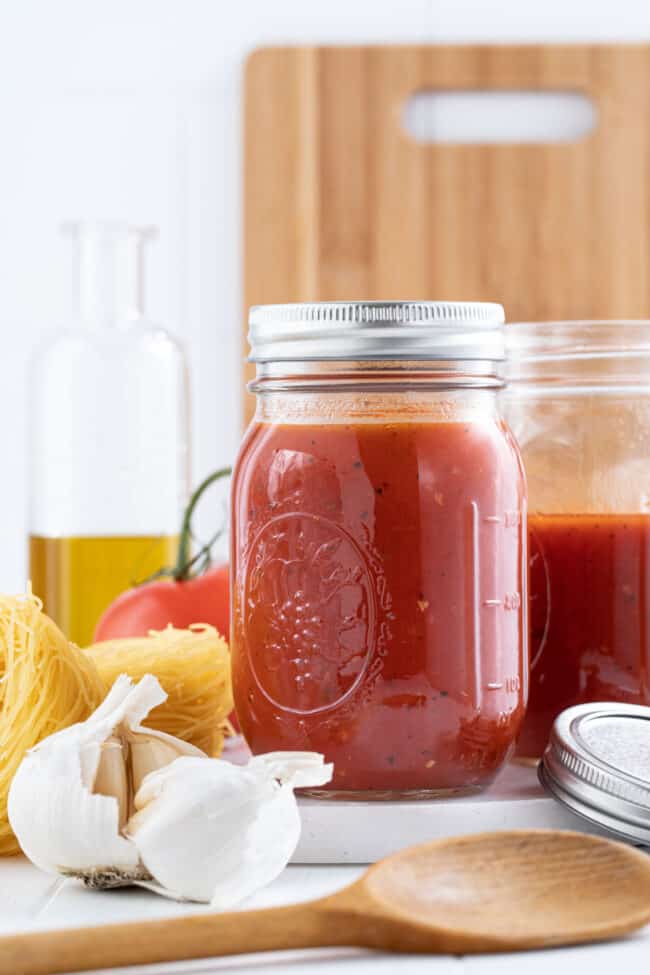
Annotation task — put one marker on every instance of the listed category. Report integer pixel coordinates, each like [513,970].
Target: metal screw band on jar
[376,330]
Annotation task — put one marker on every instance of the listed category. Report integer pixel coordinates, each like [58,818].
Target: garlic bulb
[114,803]
[71,795]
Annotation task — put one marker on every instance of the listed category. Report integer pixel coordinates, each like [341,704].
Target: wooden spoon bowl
[516,890]
[489,892]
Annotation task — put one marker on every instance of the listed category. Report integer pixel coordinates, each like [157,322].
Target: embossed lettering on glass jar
[378,563]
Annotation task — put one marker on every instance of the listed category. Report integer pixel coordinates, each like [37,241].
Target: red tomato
[182,599]
[153,605]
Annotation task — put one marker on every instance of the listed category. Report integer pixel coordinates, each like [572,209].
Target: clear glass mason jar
[578,402]
[378,552]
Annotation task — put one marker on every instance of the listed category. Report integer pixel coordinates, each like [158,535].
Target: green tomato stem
[184,560]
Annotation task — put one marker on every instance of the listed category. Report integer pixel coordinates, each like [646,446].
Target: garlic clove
[60,824]
[271,841]
[190,815]
[112,777]
[149,754]
[261,853]
[207,830]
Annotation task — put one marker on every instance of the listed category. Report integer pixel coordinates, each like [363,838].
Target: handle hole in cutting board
[484,117]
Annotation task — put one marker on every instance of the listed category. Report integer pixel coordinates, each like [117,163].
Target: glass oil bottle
[109,439]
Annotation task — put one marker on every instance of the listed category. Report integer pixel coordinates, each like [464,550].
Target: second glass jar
[578,401]
[378,557]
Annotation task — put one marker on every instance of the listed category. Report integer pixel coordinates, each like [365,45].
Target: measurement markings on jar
[511,685]
[510,519]
[512,600]
[497,525]
[472,544]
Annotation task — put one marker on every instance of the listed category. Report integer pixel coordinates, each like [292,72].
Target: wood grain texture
[489,892]
[340,203]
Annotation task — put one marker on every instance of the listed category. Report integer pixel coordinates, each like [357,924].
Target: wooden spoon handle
[307,925]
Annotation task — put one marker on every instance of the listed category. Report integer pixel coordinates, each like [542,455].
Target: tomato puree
[589,616]
[377,599]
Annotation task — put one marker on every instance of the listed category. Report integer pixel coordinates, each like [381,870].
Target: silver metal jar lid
[376,330]
[597,763]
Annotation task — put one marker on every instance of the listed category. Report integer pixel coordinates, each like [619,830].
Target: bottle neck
[109,286]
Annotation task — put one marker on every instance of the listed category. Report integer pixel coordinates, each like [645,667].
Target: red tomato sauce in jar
[377,599]
[589,616]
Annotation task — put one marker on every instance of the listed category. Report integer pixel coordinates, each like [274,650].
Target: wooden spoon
[489,892]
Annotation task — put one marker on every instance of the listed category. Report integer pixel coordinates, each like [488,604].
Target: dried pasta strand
[193,666]
[46,684]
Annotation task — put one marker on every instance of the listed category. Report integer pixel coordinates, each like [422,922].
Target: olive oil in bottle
[108,440]
[77,577]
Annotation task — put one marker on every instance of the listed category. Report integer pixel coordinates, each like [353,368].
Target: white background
[131,109]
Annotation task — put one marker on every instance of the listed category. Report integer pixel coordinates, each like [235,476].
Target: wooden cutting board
[341,203]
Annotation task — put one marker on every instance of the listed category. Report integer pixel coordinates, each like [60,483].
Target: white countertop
[31,900]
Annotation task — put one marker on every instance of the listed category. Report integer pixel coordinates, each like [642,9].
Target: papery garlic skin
[62,825]
[273,837]
[211,831]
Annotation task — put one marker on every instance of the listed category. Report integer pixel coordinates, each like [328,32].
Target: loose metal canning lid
[377,330]
[597,762]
